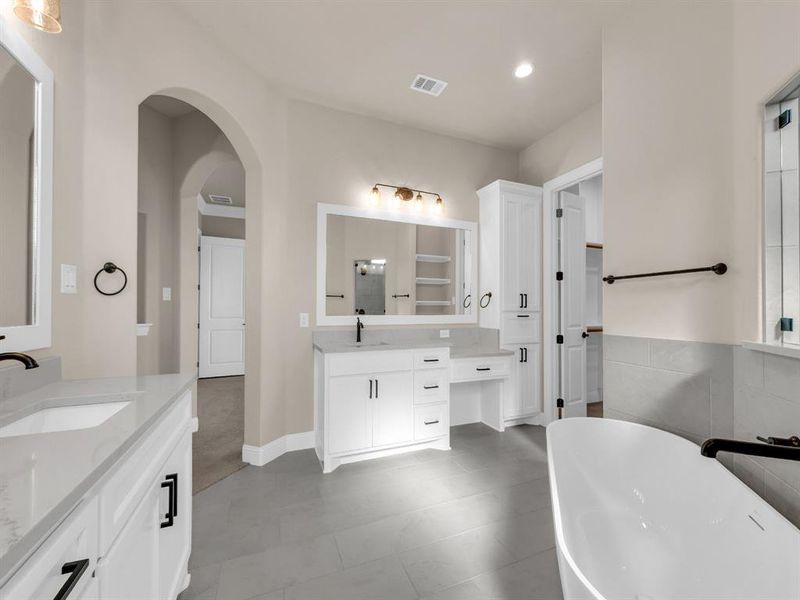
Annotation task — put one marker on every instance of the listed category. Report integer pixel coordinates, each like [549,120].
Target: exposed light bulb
[439,206]
[375,196]
[418,202]
[44,15]
[523,70]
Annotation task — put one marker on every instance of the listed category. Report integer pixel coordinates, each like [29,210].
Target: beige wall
[574,143]
[224,227]
[668,180]
[157,352]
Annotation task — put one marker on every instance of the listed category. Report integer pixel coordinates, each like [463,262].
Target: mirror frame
[39,334]
[399,216]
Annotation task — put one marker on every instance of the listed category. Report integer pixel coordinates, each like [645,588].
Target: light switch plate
[69,279]
[303,319]
[444,333]
[166,294]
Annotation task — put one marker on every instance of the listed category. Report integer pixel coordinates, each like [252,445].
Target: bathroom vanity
[95,500]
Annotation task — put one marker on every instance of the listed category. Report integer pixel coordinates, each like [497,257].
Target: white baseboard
[195,424]
[261,455]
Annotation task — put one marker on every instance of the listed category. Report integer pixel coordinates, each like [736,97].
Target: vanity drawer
[478,368]
[435,358]
[136,471]
[431,421]
[73,542]
[360,363]
[521,328]
[431,385]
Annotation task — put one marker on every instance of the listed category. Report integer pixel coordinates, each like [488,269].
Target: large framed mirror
[394,267]
[26,176]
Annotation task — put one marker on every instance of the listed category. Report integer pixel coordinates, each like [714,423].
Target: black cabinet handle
[171,484]
[75,570]
[429,360]
[584,335]
[522,355]
[523,316]
[431,422]
[370,389]
[431,387]
[526,355]
[376,388]
[483,369]
[520,301]
[526,300]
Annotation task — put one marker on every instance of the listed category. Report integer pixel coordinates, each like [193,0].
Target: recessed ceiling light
[523,70]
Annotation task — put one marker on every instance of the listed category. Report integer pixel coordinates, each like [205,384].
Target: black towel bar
[719,269]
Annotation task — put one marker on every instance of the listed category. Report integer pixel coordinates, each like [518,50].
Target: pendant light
[44,15]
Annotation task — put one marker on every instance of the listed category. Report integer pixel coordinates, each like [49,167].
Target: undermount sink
[63,418]
[366,344]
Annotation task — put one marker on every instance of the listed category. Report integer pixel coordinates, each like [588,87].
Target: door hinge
[559,403]
[559,275]
[198,286]
[559,213]
[198,363]
[784,119]
[198,248]
[198,325]
[559,339]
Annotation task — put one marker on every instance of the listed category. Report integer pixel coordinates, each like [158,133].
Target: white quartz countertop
[456,350]
[44,476]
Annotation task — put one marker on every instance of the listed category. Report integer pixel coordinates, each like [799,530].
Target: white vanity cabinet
[381,402]
[511,270]
[132,529]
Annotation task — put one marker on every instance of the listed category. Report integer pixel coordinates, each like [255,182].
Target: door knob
[584,335]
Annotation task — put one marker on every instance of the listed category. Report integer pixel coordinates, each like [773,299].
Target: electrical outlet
[444,333]
[166,294]
[303,319]
[69,279]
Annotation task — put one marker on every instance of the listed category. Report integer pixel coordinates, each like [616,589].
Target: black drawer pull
[431,422]
[523,316]
[75,570]
[431,387]
[430,360]
[483,369]
[171,484]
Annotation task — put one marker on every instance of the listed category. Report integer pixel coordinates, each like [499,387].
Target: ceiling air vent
[215,199]
[428,85]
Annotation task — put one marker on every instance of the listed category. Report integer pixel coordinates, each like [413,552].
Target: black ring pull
[110,267]
[467,301]
[488,296]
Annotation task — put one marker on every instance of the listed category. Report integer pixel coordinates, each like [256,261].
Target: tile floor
[470,524]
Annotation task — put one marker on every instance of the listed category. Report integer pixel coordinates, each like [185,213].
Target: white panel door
[349,425]
[393,408]
[572,234]
[221,321]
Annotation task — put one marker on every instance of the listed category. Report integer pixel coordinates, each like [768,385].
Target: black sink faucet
[28,361]
[359,327]
[772,447]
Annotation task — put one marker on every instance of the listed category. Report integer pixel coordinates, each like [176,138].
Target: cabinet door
[530,241]
[512,213]
[512,406]
[393,408]
[130,569]
[350,413]
[530,375]
[175,530]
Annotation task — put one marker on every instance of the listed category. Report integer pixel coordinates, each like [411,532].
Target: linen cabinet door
[175,530]
[393,409]
[512,213]
[350,413]
[530,401]
[130,569]
[512,402]
[530,255]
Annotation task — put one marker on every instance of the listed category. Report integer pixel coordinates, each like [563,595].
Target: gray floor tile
[447,562]
[277,568]
[382,579]
[527,534]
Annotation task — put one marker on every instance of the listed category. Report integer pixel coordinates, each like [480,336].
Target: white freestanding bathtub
[639,514]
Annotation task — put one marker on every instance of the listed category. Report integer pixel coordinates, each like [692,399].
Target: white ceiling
[362,56]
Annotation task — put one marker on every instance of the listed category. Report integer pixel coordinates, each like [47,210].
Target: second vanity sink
[64,418]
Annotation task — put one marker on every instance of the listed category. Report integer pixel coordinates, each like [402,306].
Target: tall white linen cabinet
[511,271]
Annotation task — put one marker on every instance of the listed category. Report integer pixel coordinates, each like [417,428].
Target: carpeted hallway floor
[217,450]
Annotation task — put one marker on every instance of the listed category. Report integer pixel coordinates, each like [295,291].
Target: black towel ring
[488,296]
[467,301]
[110,267]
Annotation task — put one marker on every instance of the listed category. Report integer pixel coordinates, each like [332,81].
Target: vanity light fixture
[523,70]
[44,15]
[406,194]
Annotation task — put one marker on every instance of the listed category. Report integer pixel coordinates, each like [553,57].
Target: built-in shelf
[432,258]
[593,246]
[432,281]
[434,303]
